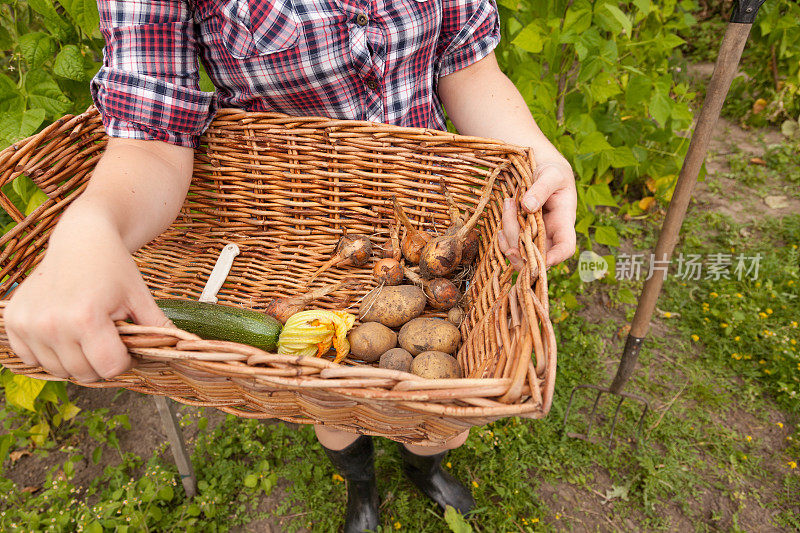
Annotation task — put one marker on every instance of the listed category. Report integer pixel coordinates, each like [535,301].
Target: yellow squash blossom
[311,333]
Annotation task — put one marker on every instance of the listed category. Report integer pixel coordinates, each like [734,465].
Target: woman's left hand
[554,189]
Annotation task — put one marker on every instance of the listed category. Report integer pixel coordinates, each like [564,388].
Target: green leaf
[10,97]
[84,13]
[623,157]
[68,411]
[165,494]
[48,393]
[670,41]
[660,108]
[583,224]
[97,453]
[603,87]
[626,296]
[39,433]
[37,199]
[530,38]
[59,27]
[36,48]
[22,391]
[600,194]
[638,90]
[578,19]
[94,527]
[250,481]
[455,521]
[69,64]
[606,235]
[6,41]
[44,93]
[620,17]
[594,142]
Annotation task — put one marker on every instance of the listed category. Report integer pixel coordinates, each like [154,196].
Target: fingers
[47,358]
[551,178]
[144,311]
[105,351]
[562,245]
[508,238]
[20,348]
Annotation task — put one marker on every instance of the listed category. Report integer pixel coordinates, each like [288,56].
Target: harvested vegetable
[283,308]
[436,365]
[456,315]
[442,255]
[414,239]
[426,334]
[312,333]
[396,359]
[223,322]
[355,251]
[470,249]
[388,272]
[371,339]
[392,306]
[440,292]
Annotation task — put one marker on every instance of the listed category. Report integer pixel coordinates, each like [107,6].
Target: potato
[426,334]
[436,365]
[396,359]
[392,306]
[369,340]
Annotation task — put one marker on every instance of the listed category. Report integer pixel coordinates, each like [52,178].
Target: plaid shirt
[376,60]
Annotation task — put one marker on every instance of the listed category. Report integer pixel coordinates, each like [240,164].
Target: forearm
[480,100]
[135,192]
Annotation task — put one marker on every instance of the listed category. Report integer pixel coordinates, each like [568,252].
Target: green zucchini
[223,322]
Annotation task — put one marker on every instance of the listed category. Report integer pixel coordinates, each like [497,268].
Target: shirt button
[362,19]
[372,84]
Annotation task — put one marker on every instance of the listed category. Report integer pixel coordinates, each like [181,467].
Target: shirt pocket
[252,28]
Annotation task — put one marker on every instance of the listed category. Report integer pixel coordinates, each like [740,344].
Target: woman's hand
[62,316]
[553,188]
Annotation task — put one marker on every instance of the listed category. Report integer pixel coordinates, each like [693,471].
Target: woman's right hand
[62,316]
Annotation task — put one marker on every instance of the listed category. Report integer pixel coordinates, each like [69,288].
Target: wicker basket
[284,189]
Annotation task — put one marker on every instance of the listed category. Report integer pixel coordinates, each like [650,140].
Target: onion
[469,250]
[354,251]
[442,255]
[414,240]
[388,272]
[282,308]
[440,292]
[456,315]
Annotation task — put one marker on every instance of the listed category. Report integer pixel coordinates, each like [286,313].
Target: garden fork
[744,13]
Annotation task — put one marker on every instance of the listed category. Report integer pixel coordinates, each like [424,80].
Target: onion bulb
[282,308]
[442,255]
[388,272]
[355,251]
[440,292]
[414,239]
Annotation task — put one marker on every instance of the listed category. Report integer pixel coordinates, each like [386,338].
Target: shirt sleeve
[470,31]
[149,85]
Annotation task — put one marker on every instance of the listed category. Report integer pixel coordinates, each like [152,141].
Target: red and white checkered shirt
[376,60]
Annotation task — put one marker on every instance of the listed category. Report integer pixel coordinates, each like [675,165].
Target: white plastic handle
[219,273]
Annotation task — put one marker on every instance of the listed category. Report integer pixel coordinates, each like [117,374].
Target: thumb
[144,310]
[548,182]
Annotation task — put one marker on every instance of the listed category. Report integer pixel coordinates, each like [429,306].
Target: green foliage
[600,79]
[48,52]
[770,92]
[36,412]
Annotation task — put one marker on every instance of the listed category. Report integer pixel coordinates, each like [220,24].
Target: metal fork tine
[594,409]
[614,423]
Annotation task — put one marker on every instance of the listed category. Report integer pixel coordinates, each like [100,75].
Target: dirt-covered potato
[396,359]
[436,365]
[426,334]
[369,340]
[392,306]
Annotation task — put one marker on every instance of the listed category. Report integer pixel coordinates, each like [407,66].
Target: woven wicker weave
[284,189]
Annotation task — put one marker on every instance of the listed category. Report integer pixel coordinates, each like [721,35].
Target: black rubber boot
[355,464]
[425,471]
